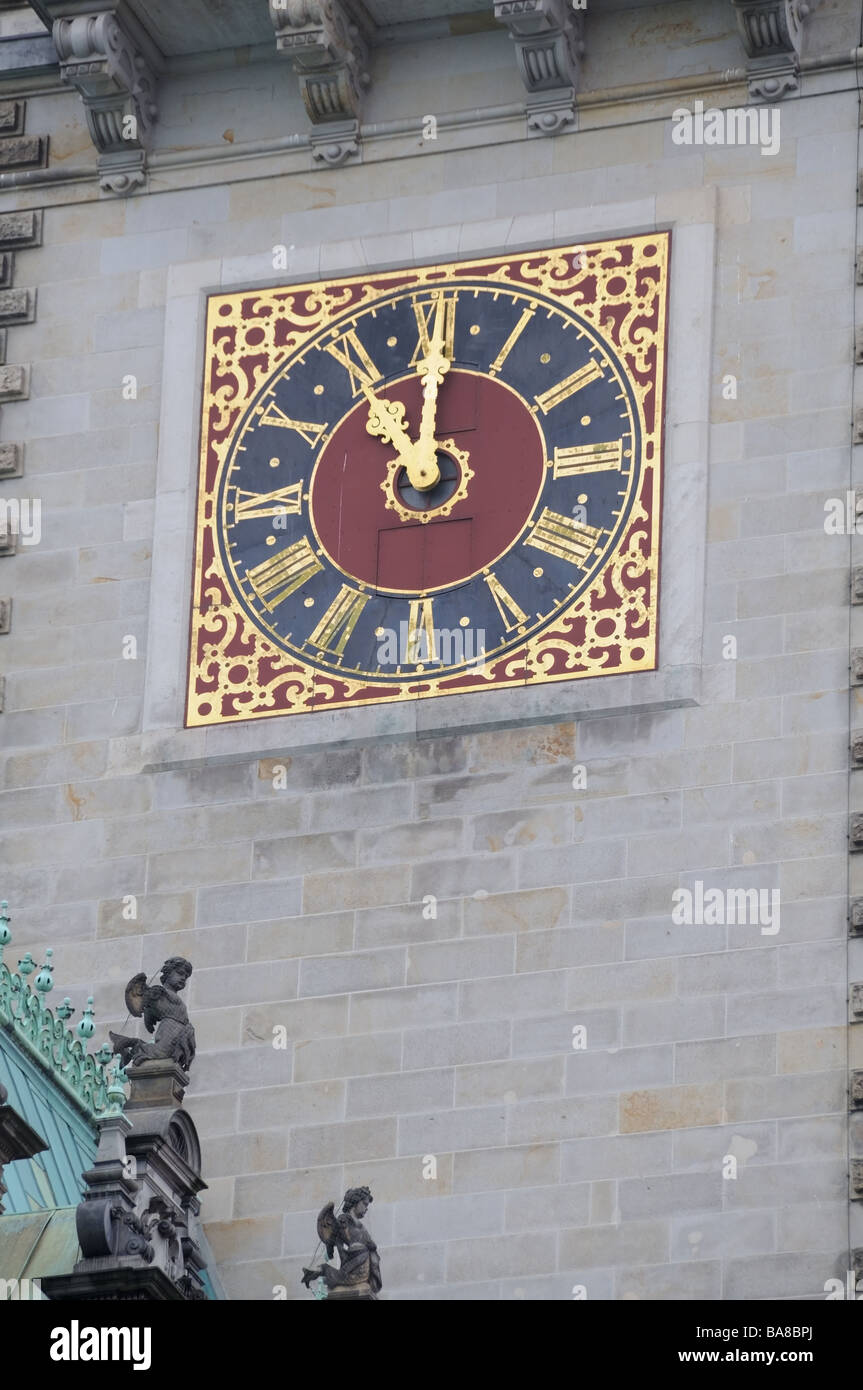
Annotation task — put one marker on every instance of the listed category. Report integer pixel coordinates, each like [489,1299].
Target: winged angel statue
[360,1273]
[164,1014]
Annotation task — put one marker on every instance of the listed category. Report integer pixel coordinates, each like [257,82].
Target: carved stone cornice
[117,85]
[331,59]
[549,43]
[772,32]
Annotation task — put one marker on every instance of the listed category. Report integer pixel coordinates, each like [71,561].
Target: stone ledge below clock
[645,692]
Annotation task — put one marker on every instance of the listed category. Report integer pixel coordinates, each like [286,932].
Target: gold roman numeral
[562,392]
[421,625]
[285,501]
[425,317]
[333,631]
[588,458]
[561,536]
[511,341]
[310,431]
[350,352]
[511,615]
[282,574]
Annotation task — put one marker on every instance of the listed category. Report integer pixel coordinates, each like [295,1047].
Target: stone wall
[417,1029]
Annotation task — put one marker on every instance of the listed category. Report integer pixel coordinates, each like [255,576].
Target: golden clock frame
[236,672]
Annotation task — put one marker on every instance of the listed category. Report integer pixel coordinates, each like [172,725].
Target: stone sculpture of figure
[360,1270]
[164,1014]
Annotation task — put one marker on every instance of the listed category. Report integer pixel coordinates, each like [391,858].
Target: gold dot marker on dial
[309,602]
[546,357]
[271,540]
[464,622]
[392,342]
[582,497]
[585,419]
[475,329]
[274,463]
[319,390]
[538,572]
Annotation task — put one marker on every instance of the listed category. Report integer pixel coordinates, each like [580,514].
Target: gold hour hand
[387,422]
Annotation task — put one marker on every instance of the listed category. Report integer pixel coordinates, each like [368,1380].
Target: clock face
[432,481]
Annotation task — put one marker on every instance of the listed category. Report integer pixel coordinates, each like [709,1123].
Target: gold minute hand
[432,369]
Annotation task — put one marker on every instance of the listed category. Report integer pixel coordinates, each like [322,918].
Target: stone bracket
[331,59]
[772,32]
[856,1000]
[117,84]
[549,43]
[855,917]
[856,1180]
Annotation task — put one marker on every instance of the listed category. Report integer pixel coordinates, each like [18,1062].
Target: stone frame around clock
[675,683]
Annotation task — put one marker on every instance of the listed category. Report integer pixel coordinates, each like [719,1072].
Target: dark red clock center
[373,544]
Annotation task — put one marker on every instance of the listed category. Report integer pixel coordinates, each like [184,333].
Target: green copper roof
[36,1245]
[51,1178]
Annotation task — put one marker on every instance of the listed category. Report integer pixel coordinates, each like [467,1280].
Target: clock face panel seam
[222,688]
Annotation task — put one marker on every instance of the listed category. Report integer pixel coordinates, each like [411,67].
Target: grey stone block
[446,1218]
[358,971]
[639,1242]
[724,1059]
[483,1127]
[400,1093]
[452,1044]
[794,1276]
[347,1140]
[669,1194]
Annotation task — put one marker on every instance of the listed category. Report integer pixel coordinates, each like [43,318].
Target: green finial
[87,1027]
[27,965]
[65,1010]
[44,981]
[5,933]
[116,1094]
[104,1055]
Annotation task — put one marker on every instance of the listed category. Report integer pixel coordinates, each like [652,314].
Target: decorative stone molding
[331,59]
[549,43]
[17,306]
[11,460]
[20,229]
[855,917]
[857,1000]
[772,32]
[855,833]
[117,85]
[855,1090]
[857,748]
[138,1225]
[856,1180]
[14,383]
[5,615]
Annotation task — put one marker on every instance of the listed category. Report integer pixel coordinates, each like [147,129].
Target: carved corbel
[117,84]
[772,32]
[549,43]
[331,59]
